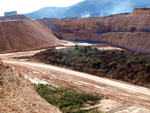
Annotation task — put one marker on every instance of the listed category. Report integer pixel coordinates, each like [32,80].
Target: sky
[27,6]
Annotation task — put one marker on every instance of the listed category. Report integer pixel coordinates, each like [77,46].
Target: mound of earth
[25,34]
[18,96]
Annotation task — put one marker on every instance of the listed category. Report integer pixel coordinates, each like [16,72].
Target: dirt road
[78,80]
[127,87]
[137,97]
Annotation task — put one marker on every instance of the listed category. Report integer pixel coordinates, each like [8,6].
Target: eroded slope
[18,96]
[25,34]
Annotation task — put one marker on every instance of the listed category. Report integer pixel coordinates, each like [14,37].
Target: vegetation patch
[116,64]
[66,99]
[143,8]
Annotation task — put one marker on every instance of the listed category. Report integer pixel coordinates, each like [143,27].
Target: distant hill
[48,12]
[90,8]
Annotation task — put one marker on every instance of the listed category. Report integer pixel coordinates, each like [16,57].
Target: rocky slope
[128,31]
[18,96]
[143,11]
[22,34]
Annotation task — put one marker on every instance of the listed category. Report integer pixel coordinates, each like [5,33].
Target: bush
[76,47]
[68,100]
[112,63]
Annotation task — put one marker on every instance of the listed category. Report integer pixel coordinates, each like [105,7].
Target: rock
[140,12]
[128,31]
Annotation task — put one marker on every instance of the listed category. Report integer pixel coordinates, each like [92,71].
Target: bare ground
[18,96]
[128,98]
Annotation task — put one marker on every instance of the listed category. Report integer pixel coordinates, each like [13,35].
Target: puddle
[38,81]
[60,47]
[96,86]
[33,72]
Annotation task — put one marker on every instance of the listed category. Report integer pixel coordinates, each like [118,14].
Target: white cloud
[26,6]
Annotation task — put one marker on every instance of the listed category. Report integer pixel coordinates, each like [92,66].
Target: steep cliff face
[129,31]
[141,11]
[25,34]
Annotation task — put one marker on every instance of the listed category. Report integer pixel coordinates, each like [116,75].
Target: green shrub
[111,63]
[66,99]
[76,47]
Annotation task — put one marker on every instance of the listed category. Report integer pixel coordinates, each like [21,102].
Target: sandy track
[90,83]
[129,88]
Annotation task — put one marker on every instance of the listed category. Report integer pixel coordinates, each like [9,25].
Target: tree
[69,51]
[76,47]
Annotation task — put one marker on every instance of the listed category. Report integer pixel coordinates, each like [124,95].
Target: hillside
[48,12]
[128,31]
[19,33]
[89,8]
[18,96]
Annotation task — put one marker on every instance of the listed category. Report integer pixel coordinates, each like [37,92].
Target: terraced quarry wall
[128,31]
[144,11]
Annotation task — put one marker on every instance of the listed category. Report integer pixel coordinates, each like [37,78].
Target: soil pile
[25,34]
[18,96]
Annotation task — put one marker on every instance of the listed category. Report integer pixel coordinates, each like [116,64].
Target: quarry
[23,40]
